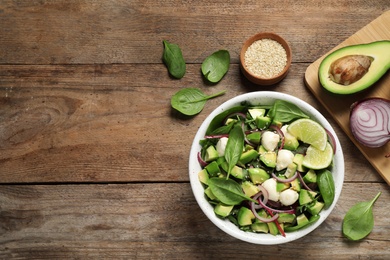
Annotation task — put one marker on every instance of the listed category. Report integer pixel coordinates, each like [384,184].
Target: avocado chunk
[245,216]
[315,207]
[298,159]
[248,156]
[223,210]
[210,194]
[238,172]
[249,188]
[259,227]
[211,154]
[286,218]
[213,169]
[258,175]
[203,176]
[290,142]
[262,122]
[310,176]
[354,68]
[269,159]
[306,196]
[254,137]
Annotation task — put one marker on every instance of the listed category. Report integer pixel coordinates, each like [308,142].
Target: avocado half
[379,54]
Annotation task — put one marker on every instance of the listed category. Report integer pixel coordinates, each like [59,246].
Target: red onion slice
[285,180]
[202,162]
[370,121]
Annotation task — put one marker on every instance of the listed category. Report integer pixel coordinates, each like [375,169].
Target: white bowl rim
[266,98]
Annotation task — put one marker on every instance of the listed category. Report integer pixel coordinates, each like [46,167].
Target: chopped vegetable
[370,121]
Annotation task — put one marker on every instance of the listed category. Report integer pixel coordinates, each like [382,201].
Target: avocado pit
[349,69]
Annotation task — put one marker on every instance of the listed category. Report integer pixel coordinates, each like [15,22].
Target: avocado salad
[267,168]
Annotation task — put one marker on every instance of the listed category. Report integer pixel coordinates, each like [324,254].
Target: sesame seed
[265,58]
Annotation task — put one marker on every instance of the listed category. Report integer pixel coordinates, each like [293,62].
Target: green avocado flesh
[378,53]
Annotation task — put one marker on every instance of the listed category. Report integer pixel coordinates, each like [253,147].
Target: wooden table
[94,162]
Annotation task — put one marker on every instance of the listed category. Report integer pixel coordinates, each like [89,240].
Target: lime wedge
[310,132]
[316,159]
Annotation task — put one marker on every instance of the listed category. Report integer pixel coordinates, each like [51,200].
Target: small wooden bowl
[259,80]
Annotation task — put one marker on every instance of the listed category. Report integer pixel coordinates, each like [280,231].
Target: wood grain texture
[339,106]
[96,124]
[159,221]
[79,32]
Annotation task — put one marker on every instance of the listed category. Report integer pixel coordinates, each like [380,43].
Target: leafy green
[190,101]
[284,112]
[359,220]
[234,147]
[215,66]
[217,120]
[227,191]
[326,186]
[173,59]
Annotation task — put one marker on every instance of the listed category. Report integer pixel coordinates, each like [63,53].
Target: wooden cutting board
[339,105]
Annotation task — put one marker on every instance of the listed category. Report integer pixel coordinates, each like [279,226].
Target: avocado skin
[378,50]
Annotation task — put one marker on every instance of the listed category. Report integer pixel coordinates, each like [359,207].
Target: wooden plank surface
[159,221]
[94,162]
[339,106]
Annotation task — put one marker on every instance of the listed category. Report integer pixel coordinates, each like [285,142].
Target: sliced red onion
[285,180]
[290,211]
[370,121]
[303,182]
[202,162]
[215,136]
[254,206]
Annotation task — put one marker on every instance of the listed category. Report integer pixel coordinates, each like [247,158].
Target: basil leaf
[173,59]
[359,220]
[234,147]
[215,66]
[227,191]
[190,101]
[326,186]
[283,112]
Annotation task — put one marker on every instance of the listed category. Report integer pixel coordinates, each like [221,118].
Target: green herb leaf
[217,121]
[173,59]
[190,101]
[215,66]
[284,112]
[326,186]
[359,220]
[234,147]
[227,191]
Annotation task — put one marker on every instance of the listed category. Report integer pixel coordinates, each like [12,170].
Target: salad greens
[234,147]
[215,66]
[227,191]
[244,177]
[173,59]
[359,220]
[190,101]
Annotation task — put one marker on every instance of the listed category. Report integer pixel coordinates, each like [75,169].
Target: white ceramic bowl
[266,98]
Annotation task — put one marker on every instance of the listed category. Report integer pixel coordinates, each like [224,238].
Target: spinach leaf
[359,220]
[284,112]
[190,101]
[215,66]
[227,191]
[234,147]
[217,121]
[173,59]
[326,186]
